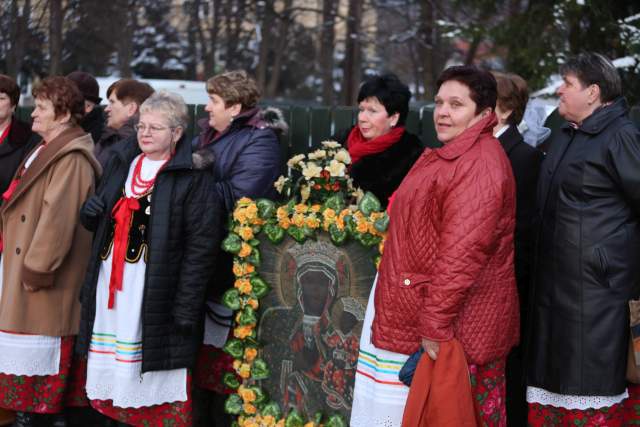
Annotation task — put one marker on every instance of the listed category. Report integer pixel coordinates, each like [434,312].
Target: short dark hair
[10,87]
[63,94]
[390,91]
[513,94]
[481,84]
[592,68]
[128,90]
[235,87]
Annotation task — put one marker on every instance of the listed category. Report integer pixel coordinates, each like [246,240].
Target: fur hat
[87,84]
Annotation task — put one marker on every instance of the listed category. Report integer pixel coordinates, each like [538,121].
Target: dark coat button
[23,218]
[17,251]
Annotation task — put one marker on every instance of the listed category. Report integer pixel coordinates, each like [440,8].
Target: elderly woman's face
[576,100]
[45,122]
[156,137]
[6,109]
[220,116]
[373,118]
[455,111]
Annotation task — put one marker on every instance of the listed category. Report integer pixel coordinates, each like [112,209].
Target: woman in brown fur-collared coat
[44,257]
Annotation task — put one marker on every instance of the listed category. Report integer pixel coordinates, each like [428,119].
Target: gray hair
[595,69]
[169,103]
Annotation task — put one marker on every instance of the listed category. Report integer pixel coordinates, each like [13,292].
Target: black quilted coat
[587,264]
[183,244]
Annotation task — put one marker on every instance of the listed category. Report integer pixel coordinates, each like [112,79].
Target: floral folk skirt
[42,394]
[488,385]
[211,365]
[625,413]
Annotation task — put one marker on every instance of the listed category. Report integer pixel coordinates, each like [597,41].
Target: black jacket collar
[128,149]
[510,138]
[600,118]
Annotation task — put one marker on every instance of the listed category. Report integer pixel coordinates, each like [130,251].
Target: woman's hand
[94,207]
[432,348]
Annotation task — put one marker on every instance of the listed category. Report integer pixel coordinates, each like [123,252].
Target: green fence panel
[299,129]
[285,138]
[634,114]
[412,124]
[320,126]
[428,129]
[24,113]
[344,118]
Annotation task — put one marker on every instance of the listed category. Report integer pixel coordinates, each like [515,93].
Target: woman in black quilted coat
[156,221]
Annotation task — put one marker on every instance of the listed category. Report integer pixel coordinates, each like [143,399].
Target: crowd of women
[506,274]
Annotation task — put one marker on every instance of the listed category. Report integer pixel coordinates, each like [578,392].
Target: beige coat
[45,246]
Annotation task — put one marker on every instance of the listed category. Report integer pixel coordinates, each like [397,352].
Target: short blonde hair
[169,103]
[234,87]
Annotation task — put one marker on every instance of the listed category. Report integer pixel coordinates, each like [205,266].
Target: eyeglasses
[141,128]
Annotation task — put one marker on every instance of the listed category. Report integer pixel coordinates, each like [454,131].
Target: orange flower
[316,208]
[247,394]
[252,212]
[249,408]
[284,223]
[301,208]
[282,213]
[280,423]
[298,219]
[244,201]
[246,233]
[242,332]
[240,215]
[236,364]
[268,420]
[250,354]
[381,246]
[329,213]
[249,268]
[362,227]
[312,222]
[253,303]
[310,424]
[237,269]
[245,250]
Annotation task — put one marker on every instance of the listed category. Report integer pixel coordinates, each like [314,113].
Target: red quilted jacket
[447,268]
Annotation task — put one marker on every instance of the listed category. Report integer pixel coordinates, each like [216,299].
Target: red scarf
[360,147]
[5,197]
[5,133]
[122,214]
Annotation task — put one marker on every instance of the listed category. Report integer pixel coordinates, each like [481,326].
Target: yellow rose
[252,212]
[242,332]
[343,156]
[236,364]
[318,154]
[268,420]
[311,170]
[305,192]
[240,215]
[330,144]
[250,354]
[245,250]
[279,184]
[253,303]
[335,168]
[244,371]
[310,424]
[295,160]
[249,268]
[316,208]
[237,269]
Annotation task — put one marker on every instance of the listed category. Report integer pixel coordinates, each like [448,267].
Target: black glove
[94,207]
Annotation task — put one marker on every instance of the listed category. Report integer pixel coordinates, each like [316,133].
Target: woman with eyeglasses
[155,217]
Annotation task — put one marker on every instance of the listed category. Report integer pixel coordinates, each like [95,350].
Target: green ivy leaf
[273,409]
[266,208]
[294,419]
[234,348]
[260,370]
[275,234]
[259,287]
[369,203]
[232,243]
[231,299]
[233,404]
[248,316]
[230,380]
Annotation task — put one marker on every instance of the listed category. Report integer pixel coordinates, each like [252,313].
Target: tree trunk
[193,9]
[265,43]
[327,42]
[209,47]
[17,36]
[353,53]
[125,44]
[283,32]
[55,37]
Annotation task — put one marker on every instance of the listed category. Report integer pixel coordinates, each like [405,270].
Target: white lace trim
[22,354]
[544,397]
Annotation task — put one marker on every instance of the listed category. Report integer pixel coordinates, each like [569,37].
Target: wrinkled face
[574,99]
[118,112]
[6,109]
[45,122]
[373,119]
[156,138]
[220,116]
[455,111]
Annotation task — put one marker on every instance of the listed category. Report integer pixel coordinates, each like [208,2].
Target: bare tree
[353,53]
[327,45]
[128,18]
[18,34]
[55,37]
[281,45]
[264,32]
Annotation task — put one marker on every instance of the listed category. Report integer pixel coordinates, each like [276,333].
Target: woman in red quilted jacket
[447,270]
